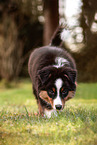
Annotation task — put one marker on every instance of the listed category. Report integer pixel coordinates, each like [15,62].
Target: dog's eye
[64,93]
[51,93]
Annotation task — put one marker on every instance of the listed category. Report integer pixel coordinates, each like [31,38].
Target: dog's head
[57,85]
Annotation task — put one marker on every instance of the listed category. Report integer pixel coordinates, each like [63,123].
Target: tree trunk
[51,15]
[10,50]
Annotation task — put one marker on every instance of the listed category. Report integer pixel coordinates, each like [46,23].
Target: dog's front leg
[40,108]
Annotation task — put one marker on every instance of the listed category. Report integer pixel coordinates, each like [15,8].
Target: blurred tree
[21,31]
[18,33]
[87,58]
[9,55]
[51,16]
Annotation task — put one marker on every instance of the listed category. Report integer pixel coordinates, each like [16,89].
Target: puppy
[53,74]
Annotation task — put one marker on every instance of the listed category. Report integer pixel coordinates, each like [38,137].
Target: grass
[76,125]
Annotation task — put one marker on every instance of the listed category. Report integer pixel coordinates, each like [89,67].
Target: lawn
[76,125]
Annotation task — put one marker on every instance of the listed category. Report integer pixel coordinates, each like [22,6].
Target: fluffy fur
[53,74]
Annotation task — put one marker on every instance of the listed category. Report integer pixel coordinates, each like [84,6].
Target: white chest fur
[49,113]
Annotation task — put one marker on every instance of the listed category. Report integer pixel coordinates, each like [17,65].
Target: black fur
[43,73]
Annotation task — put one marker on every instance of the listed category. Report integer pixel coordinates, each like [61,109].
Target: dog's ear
[44,74]
[70,74]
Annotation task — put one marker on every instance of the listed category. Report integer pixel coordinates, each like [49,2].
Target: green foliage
[76,125]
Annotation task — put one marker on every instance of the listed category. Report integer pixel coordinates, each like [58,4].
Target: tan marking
[44,96]
[41,110]
[62,89]
[53,90]
[51,101]
[63,103]
[69,96]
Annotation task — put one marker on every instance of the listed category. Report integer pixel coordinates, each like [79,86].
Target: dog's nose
[58,107]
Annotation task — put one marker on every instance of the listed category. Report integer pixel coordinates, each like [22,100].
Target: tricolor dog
[53,74]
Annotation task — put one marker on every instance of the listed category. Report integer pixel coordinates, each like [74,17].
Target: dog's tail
[61,34]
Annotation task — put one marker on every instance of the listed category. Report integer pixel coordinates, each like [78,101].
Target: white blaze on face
[57,100]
